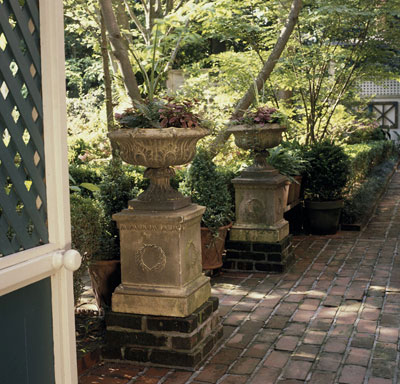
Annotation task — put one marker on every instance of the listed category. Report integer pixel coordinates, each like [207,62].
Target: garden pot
[158,149]
[323,216]
[212,247]
[294,190]
[105,276]
[286,193]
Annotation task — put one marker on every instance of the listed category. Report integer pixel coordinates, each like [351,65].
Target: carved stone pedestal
[162,313]
[259,239]
[161,271]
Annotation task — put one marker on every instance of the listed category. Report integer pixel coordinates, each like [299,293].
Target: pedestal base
[259,256]
[260,233]
[166,301]
[182,342]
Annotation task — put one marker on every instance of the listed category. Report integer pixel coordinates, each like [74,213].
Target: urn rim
[158,133]
[256,127]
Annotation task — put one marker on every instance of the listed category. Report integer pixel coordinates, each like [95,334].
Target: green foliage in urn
[86,232]
[327,172]
[160,113]
[207,186]
[261,115]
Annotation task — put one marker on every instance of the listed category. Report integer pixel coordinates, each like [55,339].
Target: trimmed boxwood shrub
[370,164]
[207,186]
[119,185]
[327,172]
[364,157]
[86,233]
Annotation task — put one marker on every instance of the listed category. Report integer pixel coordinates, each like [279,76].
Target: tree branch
[273,58]
[120,51]
[262,77]
[137,22]
[179,5]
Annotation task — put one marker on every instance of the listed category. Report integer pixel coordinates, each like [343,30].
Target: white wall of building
[386,92]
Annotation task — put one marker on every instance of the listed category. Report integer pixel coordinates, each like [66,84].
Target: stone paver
[333,317]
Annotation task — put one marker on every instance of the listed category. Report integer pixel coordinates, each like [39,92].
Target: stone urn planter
[258,138]
[260,201]
[161,272]
[158,150]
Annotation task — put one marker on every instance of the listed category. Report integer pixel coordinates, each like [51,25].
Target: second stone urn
[259,199]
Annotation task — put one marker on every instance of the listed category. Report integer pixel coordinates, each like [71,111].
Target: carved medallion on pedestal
[151,258]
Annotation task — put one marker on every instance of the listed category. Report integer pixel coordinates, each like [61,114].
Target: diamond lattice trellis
[23,218]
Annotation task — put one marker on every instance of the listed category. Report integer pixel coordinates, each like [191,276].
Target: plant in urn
[258,131]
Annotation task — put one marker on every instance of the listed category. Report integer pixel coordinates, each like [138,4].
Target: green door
[26,349]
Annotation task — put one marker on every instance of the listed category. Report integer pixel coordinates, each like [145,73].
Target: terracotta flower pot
[294,190]
[212,247]
[105,276]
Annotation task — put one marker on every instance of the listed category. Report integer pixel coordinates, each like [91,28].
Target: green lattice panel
[23,218]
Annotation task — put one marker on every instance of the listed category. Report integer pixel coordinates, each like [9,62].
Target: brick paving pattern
[333,317]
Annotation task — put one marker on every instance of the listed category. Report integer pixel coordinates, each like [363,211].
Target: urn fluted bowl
[257,137]
[157,147]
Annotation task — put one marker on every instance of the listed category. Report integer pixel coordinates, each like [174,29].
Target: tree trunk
[263,75]
[273,58]
[120,51]
[107,77]
[107,85]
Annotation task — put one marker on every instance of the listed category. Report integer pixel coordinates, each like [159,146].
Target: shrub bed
[359,205]
[364,157]
[371,164]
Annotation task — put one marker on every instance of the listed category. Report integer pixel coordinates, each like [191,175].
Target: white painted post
[55,133]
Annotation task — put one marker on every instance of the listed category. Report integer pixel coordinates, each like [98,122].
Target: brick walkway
[334,317]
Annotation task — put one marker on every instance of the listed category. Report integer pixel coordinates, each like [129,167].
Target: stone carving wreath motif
[151,258]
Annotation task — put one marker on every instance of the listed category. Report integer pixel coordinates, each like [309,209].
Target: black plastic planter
[323,216]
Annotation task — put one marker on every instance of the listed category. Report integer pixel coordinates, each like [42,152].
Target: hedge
[362,199]
[370,164]
[364,157]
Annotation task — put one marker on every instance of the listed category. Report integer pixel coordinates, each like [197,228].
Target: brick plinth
[255,256]
[164,341]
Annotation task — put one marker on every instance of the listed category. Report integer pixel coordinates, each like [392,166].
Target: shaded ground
[334,317]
